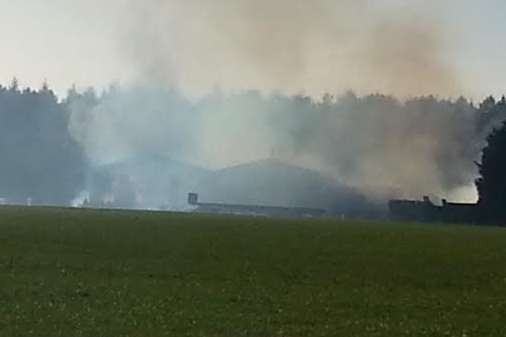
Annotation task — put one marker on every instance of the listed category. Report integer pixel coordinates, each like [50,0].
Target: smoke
[125,123]
[419,147]
[377,144]
[81,199]
[210,53]
[292,46]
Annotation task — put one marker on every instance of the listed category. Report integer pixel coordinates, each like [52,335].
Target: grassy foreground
[112,273]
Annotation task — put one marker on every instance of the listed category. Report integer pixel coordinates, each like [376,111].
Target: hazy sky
[83,42]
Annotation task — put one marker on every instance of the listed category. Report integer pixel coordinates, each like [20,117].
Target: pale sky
[63,41]
[77,41]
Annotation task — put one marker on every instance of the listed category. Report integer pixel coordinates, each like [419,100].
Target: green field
[117,273]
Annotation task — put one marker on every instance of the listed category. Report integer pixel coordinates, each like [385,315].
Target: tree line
[40,160]
[46,154]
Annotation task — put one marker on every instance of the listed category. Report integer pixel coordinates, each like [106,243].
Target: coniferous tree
[492,182]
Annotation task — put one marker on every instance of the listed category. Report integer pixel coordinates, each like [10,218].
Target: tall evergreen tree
[492,182]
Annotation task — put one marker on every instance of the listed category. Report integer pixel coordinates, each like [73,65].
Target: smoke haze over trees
[136,146]
[378,144]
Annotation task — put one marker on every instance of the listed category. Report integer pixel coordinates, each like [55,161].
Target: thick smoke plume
[292,46]
[197,59]
[380,145]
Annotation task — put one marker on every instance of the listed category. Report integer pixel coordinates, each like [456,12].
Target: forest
[54,148]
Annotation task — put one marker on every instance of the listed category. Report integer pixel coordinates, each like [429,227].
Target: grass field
[113,273]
